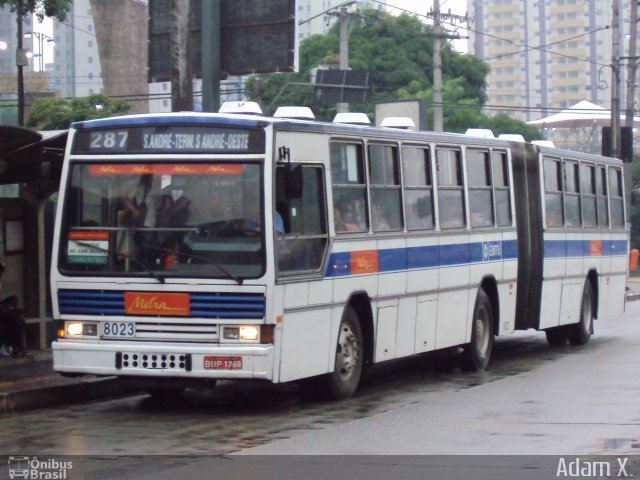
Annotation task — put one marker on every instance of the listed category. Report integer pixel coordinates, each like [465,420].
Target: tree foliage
[397,51]
[42,8]
[58,113]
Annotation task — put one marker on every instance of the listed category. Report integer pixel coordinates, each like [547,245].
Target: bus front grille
[209,305]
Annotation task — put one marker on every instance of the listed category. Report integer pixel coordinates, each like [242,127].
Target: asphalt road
[533,402]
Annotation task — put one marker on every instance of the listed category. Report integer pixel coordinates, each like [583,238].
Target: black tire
[343,382]
[477,354]
[580,333]
[556,336]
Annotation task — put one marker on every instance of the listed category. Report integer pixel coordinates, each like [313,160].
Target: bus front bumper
[184,361]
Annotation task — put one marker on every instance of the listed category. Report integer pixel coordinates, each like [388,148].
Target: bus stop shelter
[30,168]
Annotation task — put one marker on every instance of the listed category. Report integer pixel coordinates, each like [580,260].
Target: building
[8,29]
[544,55]
[77,68]
[311,14]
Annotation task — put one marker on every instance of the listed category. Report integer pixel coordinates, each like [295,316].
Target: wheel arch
[361,303]
[490,287]
[592,277]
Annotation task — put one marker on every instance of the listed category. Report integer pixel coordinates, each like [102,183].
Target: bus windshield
[164,219]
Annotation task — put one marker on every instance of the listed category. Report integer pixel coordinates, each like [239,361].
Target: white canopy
[582,114]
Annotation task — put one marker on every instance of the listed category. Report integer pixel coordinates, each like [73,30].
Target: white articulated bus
[195,247]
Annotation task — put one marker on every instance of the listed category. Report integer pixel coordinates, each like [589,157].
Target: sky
[421,7]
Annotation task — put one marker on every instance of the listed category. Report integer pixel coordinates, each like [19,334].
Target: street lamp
[3,45]
[41,40]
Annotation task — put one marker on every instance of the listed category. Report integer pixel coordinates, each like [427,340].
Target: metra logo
[149,303]
[491,251]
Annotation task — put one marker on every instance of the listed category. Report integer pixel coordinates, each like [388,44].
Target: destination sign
[169,139]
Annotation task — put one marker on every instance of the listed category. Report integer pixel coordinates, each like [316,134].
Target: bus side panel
[392,283]
[555,264]
[423,278]
[572,286]
[616,280]
[453,321]
[305,335]
[508,287]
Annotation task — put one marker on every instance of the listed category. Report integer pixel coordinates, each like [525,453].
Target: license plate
[118,329]
[222,363]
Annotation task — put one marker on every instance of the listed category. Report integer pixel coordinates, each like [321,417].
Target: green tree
[42,8]
[57,113]
[397,51]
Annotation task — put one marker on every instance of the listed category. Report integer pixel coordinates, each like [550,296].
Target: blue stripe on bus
[398,259]
[584,248]
[433,256]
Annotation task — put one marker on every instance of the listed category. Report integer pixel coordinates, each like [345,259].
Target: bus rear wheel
[477,353]
[580,333]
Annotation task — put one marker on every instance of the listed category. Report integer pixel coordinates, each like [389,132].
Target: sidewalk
[31,383]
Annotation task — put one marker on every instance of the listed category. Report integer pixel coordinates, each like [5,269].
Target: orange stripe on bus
[364,261]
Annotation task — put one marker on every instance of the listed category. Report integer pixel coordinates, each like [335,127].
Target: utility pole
[181,81]
[345,21]
[615,80]
[633,65]
[438,35]
[211,57]
[21,61]
[344,17]
[438,124]
[631,96]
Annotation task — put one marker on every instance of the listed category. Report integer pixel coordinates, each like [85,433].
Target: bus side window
[386,212]
[615,198]
[349,187]
[588,194]
[572,194]
[450,189]
[553,192]
[301,247]
[479,182]
[500,180]
[418,188]
[601,194]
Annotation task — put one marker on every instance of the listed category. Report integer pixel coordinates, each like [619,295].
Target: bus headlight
[241,333]
[248,333]
[80,329]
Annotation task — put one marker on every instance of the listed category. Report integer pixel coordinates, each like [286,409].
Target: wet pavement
[31,383]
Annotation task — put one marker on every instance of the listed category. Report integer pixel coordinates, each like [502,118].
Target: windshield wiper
[160,278]
[208,261]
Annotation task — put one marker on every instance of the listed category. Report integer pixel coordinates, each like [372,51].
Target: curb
[65,394]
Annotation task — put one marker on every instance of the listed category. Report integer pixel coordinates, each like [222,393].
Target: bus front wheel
[477,353]
[580,333]
[343,382]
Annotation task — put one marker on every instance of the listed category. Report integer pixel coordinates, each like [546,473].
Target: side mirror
[293,181]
